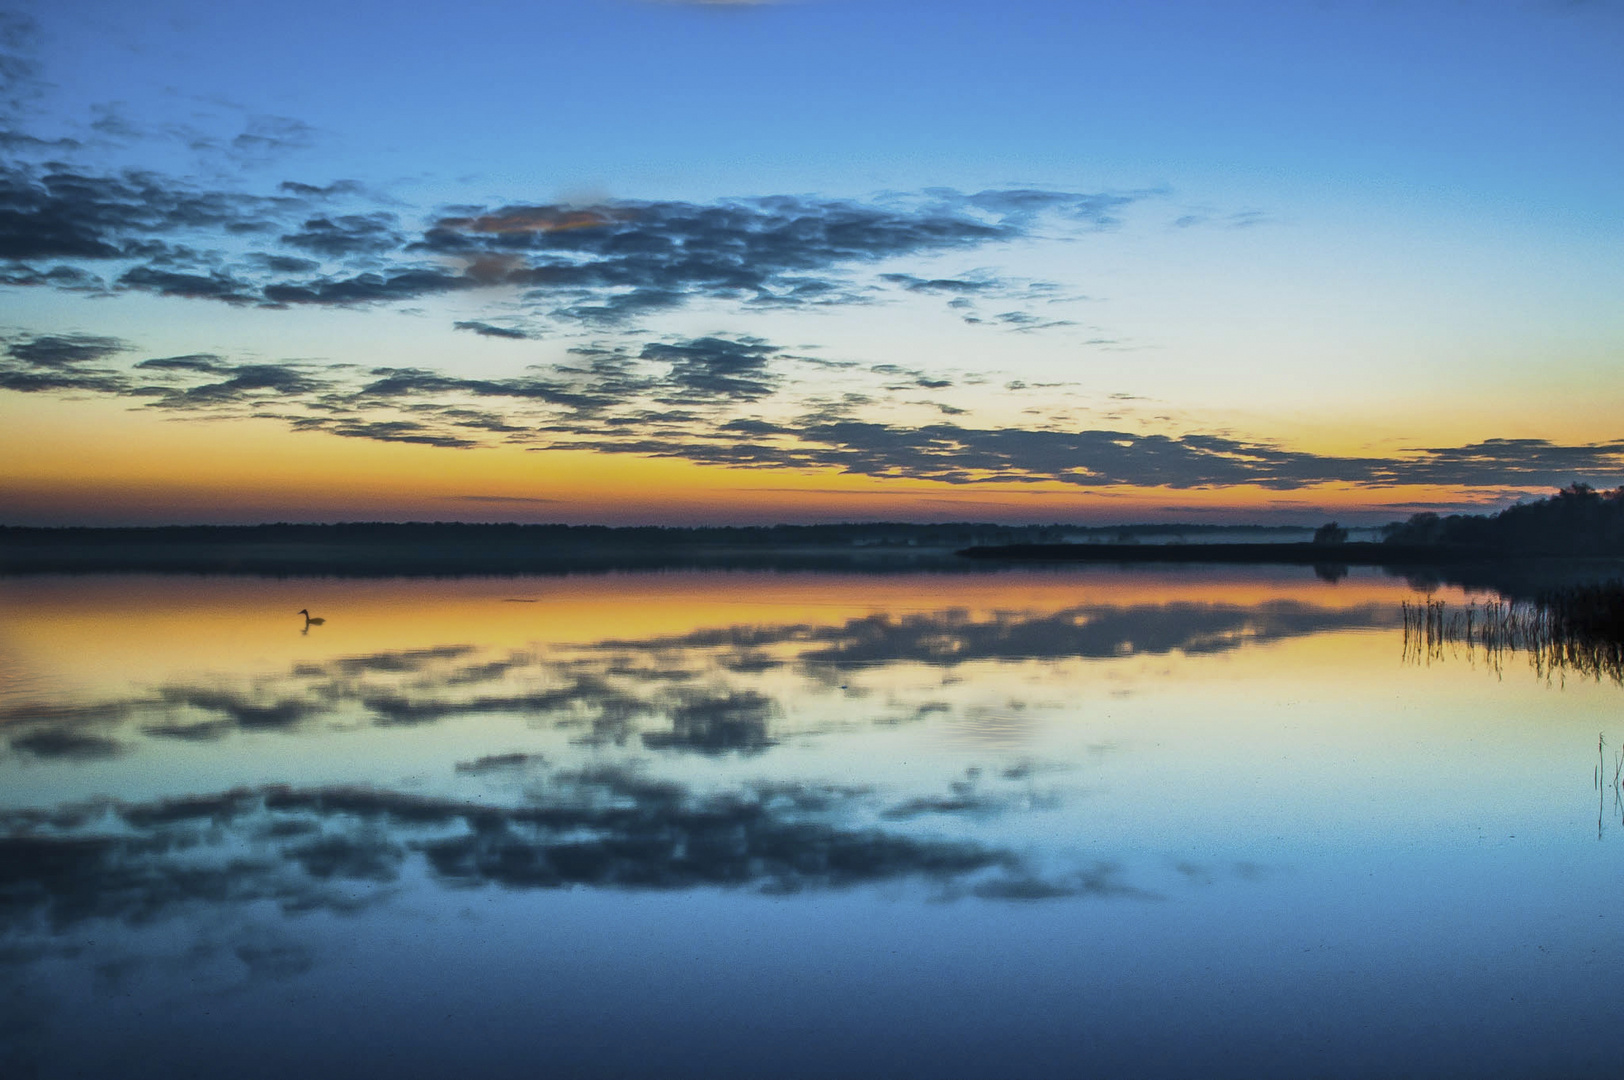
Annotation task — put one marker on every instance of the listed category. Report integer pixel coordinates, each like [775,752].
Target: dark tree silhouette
[1330,533]
[1577,520]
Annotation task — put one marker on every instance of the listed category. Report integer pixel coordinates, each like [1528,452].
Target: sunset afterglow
[675,263]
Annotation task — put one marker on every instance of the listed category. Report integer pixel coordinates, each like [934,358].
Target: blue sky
[1368,233]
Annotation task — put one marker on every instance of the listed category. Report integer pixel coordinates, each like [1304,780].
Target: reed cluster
[1575,630]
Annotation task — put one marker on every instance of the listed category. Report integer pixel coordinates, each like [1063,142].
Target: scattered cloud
[485,329]
[346,235]
[264,140]
[322,191]
[711,368]
[702,400]
[63,350]
[1234,219]
[598,265]
[729,400]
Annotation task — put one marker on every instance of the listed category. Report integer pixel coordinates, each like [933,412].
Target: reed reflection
[1577,630]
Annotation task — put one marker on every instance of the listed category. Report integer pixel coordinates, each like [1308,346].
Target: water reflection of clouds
[712,691]
[344,848]
[176,897]
[572,841]
[643,786]
[954,637]
[996,727]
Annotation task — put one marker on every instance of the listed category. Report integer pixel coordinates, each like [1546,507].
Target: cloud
[63,350]
[54,211]
[207,363]
[367,288]
[600,265]
[630,257]
[682,398]
[485,329]
[266,139]
[965,291]
[950,286]
[63,278]
[560,390]
[32,382]
[711,367]
[902,378]
[1239,219]
[322,191]
[241,383]
[282,264]
[61,363]
[1103,458]
[347,235]
[1025,322]
[388,431]
[217,285]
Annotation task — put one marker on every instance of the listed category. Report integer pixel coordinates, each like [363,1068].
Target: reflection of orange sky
[99,463]
[113,630]
[1281,741]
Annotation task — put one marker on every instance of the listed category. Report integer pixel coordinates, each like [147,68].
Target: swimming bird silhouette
[309,622]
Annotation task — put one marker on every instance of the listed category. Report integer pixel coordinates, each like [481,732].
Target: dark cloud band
[600,265]
[693,399]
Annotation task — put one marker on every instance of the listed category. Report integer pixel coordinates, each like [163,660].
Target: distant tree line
[1577,520]
[596,537]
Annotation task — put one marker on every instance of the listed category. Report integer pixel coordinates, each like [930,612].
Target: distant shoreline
[450,550]
[454,550]
[438,548]
[1351,554]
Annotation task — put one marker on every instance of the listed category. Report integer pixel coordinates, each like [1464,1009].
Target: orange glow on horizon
[95,462]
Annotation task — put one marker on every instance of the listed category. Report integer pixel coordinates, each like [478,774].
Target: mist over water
[1191,822]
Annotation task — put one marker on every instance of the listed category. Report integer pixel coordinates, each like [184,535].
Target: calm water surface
[1089,822]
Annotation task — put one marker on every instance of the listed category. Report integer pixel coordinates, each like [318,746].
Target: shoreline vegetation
[1576,522]
[1574,536]
[1289,554]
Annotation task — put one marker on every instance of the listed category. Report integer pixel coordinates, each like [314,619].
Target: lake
[1035,822]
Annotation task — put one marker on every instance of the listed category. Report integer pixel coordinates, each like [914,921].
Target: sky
[622,261]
